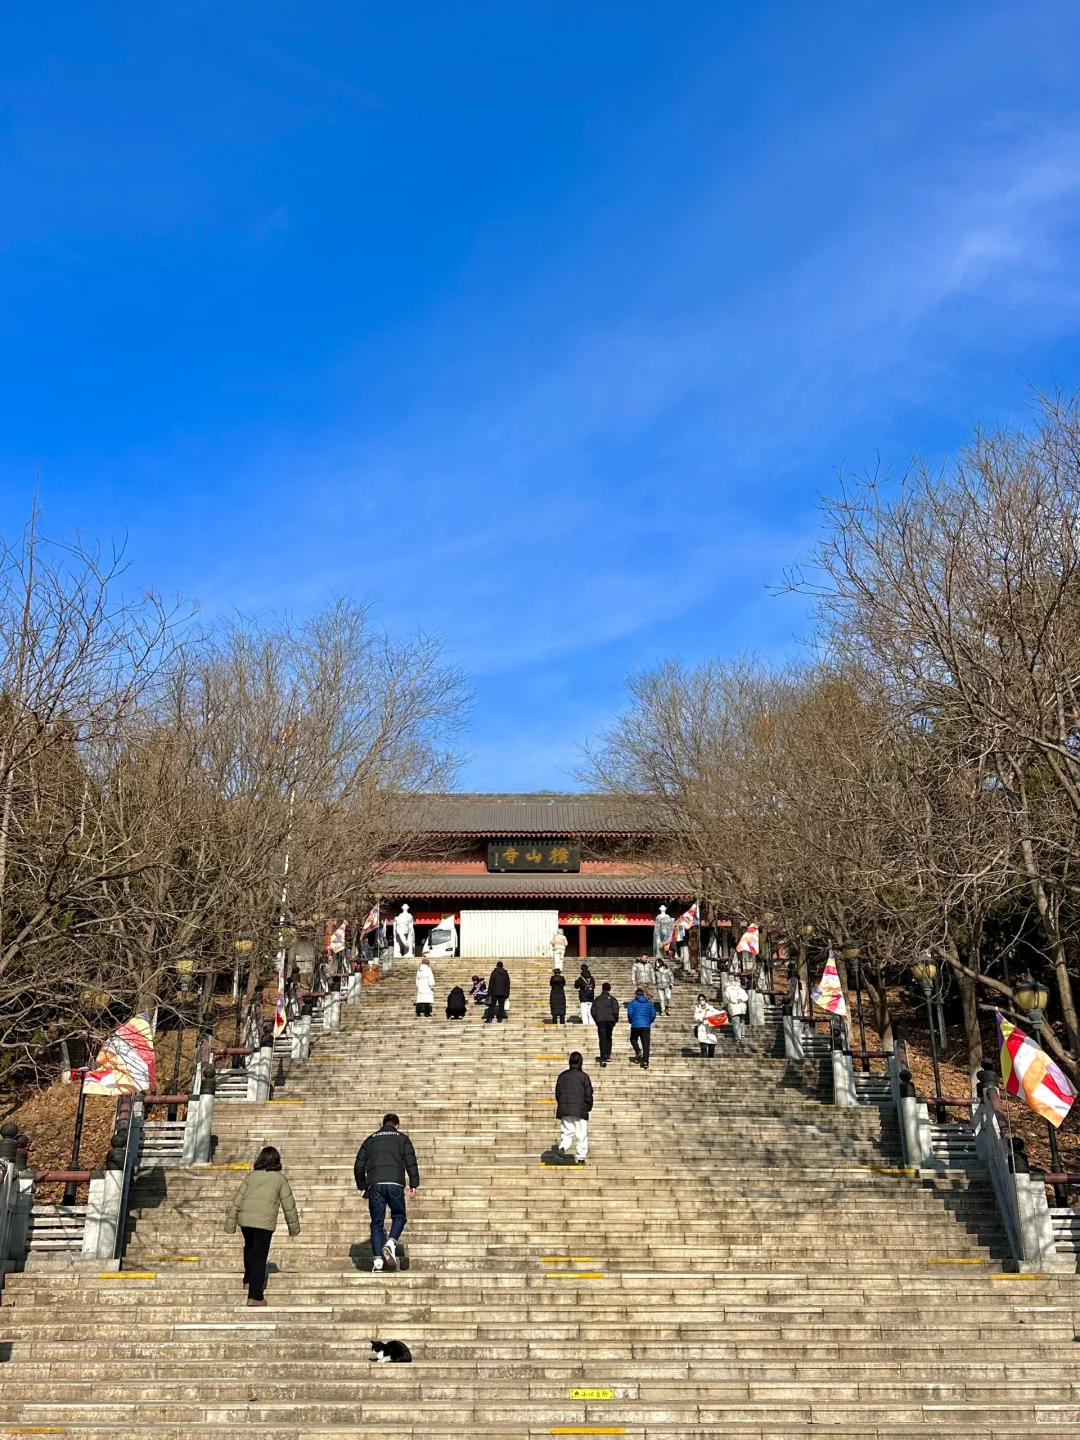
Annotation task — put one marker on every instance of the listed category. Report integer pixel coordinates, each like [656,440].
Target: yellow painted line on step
[549,1057]
[579,1394]
[285,1102]
[574,1274]
[947,1260]
[893,1170]
[175,1259]
[547,1102]
[1018,1275]
[587,1430]
[126,1275]
[235,1166]
[34,1430]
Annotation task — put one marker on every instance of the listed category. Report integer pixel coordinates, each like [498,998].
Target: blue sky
[542,324]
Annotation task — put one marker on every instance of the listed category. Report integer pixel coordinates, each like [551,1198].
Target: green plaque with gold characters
[518,856]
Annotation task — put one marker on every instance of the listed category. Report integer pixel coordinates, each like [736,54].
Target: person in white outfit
[425,989]
[705,1032]
[643,975]
[736,998]
[558,948]
[665,984]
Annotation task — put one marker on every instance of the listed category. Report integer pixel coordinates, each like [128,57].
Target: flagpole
[1016,1189]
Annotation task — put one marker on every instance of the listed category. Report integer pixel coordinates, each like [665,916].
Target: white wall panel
[507,934]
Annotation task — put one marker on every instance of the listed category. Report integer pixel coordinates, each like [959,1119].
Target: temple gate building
[512,868]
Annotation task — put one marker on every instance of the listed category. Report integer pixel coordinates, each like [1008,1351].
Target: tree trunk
[969,986]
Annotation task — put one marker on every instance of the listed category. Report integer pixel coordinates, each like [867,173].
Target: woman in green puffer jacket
[254,1208]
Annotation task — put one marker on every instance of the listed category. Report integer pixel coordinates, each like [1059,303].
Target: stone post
[794,1048]
[332,1011]
[198,1132]
[300,1035]
[260,1065]
[843,1072]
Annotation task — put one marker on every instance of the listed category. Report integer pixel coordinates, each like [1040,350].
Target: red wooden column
[582,942]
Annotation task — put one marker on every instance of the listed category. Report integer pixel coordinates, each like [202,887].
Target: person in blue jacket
[641,1013]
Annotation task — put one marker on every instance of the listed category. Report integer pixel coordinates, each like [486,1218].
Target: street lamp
[925,971]
[1032,997]
[851,953]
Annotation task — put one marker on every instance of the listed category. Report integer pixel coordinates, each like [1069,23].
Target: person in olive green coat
[254,1208]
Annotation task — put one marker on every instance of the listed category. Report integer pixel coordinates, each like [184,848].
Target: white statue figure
[404,934]
[663,925]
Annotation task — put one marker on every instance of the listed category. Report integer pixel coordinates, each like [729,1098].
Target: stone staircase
[738,1258]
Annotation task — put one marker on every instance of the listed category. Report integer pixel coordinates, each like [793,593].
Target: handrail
[870,1054]
[1050,1178]
[945,1100]
[166,1099]
[49,1177]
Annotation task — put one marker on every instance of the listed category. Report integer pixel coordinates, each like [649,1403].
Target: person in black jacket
[585,985]
[498,993]
[557,999]
[383,1163]
[457,1007]
[574,1101]
[605,1014]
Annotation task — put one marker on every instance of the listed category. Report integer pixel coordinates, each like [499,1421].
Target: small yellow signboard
[592,1394]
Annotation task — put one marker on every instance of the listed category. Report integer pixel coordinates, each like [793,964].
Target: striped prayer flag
[337,941]
[281,1012]
[371,921]
[125,1063]
[748,945]
[829,994]
[1030,1073]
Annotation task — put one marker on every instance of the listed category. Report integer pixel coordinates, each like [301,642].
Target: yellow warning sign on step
[592,1394]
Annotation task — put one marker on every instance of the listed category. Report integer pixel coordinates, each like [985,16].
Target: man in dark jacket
[574,1101]
[498,993]
[641,1013]
[605,1014]
[383,1163]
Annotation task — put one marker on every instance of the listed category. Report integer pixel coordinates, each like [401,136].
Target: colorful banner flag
[748,945]
[281,1014]
[1030,1073]
[337,941]
[371,921]
[829,994]
[125,1063]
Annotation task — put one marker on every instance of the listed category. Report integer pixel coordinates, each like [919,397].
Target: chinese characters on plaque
[536,855]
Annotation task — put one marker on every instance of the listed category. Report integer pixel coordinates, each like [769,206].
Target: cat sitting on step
[390,1352]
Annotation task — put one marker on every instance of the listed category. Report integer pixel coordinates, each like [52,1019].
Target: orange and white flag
[829,994]
[1030,1073]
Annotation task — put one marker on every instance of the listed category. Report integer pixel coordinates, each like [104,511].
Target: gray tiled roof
[405,883]
[533,815]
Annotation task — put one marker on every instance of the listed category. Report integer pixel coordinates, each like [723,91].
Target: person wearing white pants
[585,985]
[574,1101]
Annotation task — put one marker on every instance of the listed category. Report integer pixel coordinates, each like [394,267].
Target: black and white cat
[390,1352]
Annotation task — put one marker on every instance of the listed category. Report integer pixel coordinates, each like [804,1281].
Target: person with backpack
[263,1191]
[574,1103]
[557,997]
[498,993]
[641,1013]
[585,985]
[665,984]
[383,1164]
[605,1016]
